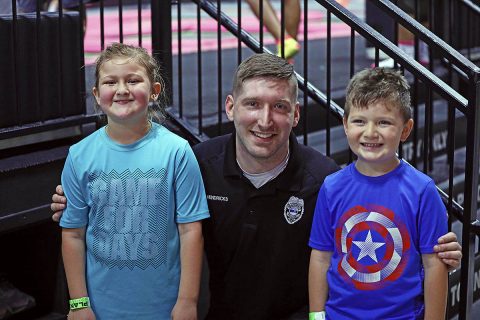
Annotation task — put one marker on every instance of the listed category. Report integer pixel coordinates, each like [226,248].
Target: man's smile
[263,135]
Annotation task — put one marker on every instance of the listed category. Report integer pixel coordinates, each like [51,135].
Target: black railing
[465,74]
[462,27]
[455,21]
[454,97]
[40,59]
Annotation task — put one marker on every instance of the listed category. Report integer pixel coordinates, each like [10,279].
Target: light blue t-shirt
[130,198]
[378,228]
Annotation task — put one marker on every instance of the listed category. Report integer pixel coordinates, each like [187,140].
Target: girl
[135,198]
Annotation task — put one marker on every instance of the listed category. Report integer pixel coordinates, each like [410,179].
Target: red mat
[316,30]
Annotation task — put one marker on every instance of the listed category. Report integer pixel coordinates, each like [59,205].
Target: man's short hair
[379,85]
[265,65]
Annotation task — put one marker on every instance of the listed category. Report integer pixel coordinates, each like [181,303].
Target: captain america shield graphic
[373,244]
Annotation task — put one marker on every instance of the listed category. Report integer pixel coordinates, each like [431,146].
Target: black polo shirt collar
[290,179]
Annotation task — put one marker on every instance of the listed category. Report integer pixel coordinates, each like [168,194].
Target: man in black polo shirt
[262,188]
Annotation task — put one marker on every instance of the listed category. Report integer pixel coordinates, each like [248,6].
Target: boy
[377,220]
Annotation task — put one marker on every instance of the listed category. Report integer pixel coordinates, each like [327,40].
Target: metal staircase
[446,97]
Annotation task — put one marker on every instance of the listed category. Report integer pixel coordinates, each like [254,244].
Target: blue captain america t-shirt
[377,229]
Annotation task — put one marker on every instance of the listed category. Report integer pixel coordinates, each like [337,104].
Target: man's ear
[296,114]
[407,128]
[229,107]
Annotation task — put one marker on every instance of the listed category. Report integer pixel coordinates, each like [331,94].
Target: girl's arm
[73,252]
[436,287]
[191,254]
[317,279]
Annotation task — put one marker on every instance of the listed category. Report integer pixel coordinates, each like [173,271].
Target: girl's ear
[96,95]
[156,88]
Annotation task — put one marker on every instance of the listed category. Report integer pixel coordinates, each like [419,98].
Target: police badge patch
[293,210]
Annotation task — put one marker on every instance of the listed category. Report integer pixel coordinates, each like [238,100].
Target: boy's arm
[73,252]
[317,279]
[436,287]
[191,254]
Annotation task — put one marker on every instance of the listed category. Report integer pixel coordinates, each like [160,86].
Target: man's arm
[191,254]
[436,287]
[59,203]
[449,250]
[317,279]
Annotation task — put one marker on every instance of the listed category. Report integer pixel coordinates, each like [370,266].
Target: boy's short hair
[265,65]
[370,86]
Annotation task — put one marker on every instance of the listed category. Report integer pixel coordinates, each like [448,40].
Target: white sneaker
[409,48]
[386,63]
[370,53]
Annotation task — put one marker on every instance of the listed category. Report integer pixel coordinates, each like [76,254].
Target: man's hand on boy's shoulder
[58,203]
[449,250]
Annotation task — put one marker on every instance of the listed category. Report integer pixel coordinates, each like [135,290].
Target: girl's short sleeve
[191,201]
[76,213]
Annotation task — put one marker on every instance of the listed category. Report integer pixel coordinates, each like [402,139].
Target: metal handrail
[254,44]
[427,36]
[472,6]
[377,39]
[392,50]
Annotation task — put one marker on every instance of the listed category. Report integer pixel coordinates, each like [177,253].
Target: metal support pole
[470,208]
[162,42]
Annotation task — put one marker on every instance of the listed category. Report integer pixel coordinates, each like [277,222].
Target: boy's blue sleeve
[433,222]
[76,213]
[191,201]
[321,236]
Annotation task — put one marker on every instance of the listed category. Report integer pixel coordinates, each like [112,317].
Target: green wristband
[79,303]
[316,315]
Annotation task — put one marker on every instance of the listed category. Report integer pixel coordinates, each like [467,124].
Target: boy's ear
[345,121]
[407,128]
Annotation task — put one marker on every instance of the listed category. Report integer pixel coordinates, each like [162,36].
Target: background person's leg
[273,25]
[270,20]
[292,17]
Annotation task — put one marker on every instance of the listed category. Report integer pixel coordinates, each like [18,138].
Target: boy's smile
[374,133]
